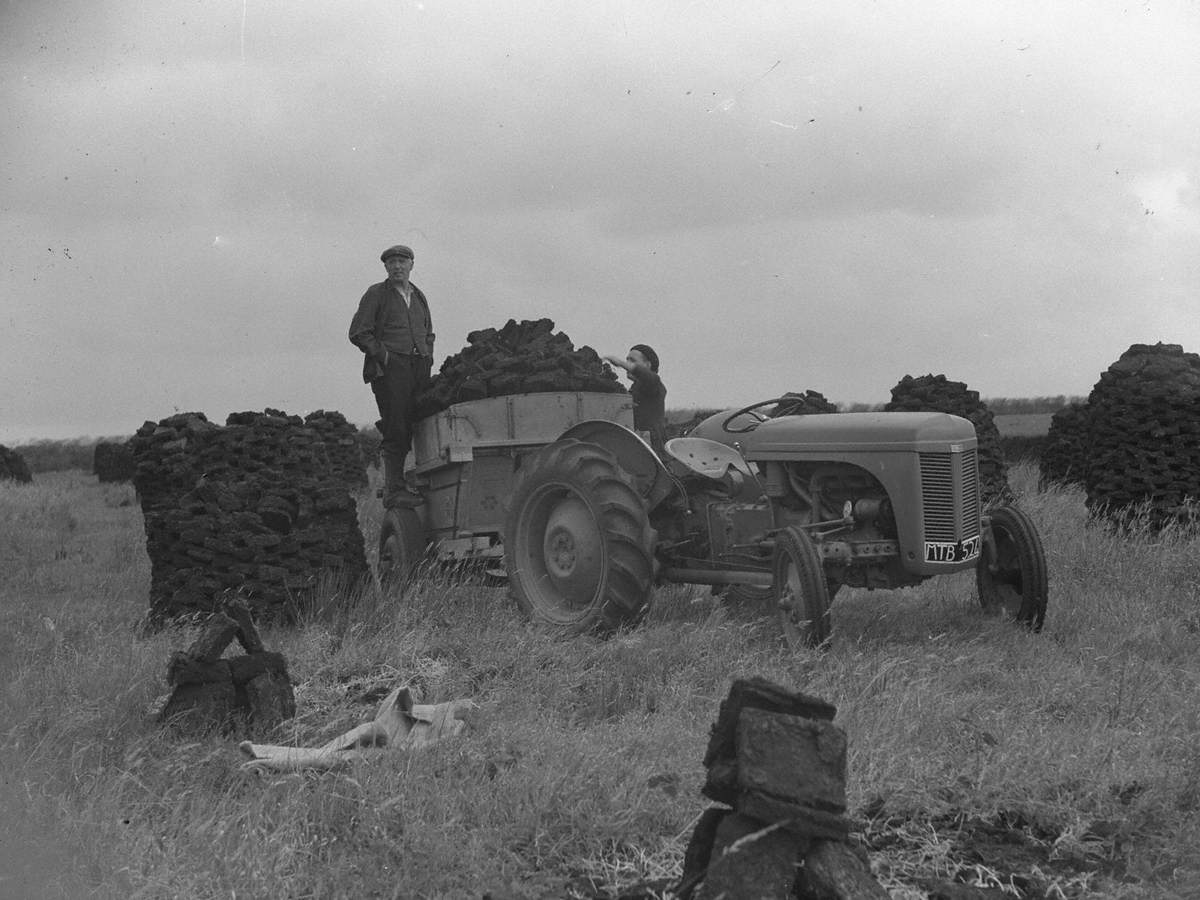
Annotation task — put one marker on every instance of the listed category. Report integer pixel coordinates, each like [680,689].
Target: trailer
[464,462]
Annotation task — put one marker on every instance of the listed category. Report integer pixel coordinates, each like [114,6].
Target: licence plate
[951,551]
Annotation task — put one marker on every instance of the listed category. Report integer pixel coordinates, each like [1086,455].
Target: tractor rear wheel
[1011,574]
[578,545]
[401,546]
[801,590]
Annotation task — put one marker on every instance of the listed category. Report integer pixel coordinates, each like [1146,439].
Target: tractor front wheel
[578,545]
[801,590]
[1011,574]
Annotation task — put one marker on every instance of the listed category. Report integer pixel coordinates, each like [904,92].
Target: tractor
[781,508]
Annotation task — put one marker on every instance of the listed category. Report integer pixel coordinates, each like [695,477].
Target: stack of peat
[248,694]
[112,462]
[1064,457]
[936,393]
[13,466]
[254,505]
[684,426]
[342,445]
[1144,446]
[802,403]
[521,358]
[778,762]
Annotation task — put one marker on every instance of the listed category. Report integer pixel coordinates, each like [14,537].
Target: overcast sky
[776,196]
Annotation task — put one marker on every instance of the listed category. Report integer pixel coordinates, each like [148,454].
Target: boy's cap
[648,352]
[398,250]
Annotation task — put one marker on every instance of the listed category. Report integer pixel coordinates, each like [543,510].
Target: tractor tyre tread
[1031,559]
[796,548]
[594,474]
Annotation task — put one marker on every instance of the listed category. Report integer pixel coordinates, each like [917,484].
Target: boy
[648,392]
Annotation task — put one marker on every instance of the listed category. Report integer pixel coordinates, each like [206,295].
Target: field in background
[1023,424]
[1077,750]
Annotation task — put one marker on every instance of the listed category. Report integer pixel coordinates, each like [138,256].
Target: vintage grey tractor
[784,509]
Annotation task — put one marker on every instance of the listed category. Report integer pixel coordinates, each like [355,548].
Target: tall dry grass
[583,769]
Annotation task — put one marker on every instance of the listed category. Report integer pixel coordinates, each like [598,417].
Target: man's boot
[395,491]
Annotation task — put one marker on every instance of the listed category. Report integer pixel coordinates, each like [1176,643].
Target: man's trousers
[396,390]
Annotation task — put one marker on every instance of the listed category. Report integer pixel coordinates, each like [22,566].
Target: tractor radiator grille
[950,495]
[970,494]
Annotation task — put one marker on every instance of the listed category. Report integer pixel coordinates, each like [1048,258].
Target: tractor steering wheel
[749,410]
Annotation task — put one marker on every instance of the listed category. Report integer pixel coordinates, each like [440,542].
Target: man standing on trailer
[394,330]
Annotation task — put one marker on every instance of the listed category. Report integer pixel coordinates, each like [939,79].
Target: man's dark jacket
[367,326]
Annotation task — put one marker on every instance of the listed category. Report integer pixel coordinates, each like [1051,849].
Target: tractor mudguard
[637,458]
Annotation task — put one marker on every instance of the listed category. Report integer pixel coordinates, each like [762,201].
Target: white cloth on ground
[399,724]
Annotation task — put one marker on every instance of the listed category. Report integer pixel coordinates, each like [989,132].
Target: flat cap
[398,250]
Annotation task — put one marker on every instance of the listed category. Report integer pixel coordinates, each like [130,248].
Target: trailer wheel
[1011,573]
[801,590]
[579,549]
[401,546]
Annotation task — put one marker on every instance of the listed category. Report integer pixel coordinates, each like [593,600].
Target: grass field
[1065,764]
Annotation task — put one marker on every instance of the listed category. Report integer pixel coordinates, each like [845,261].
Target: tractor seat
[712,459]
